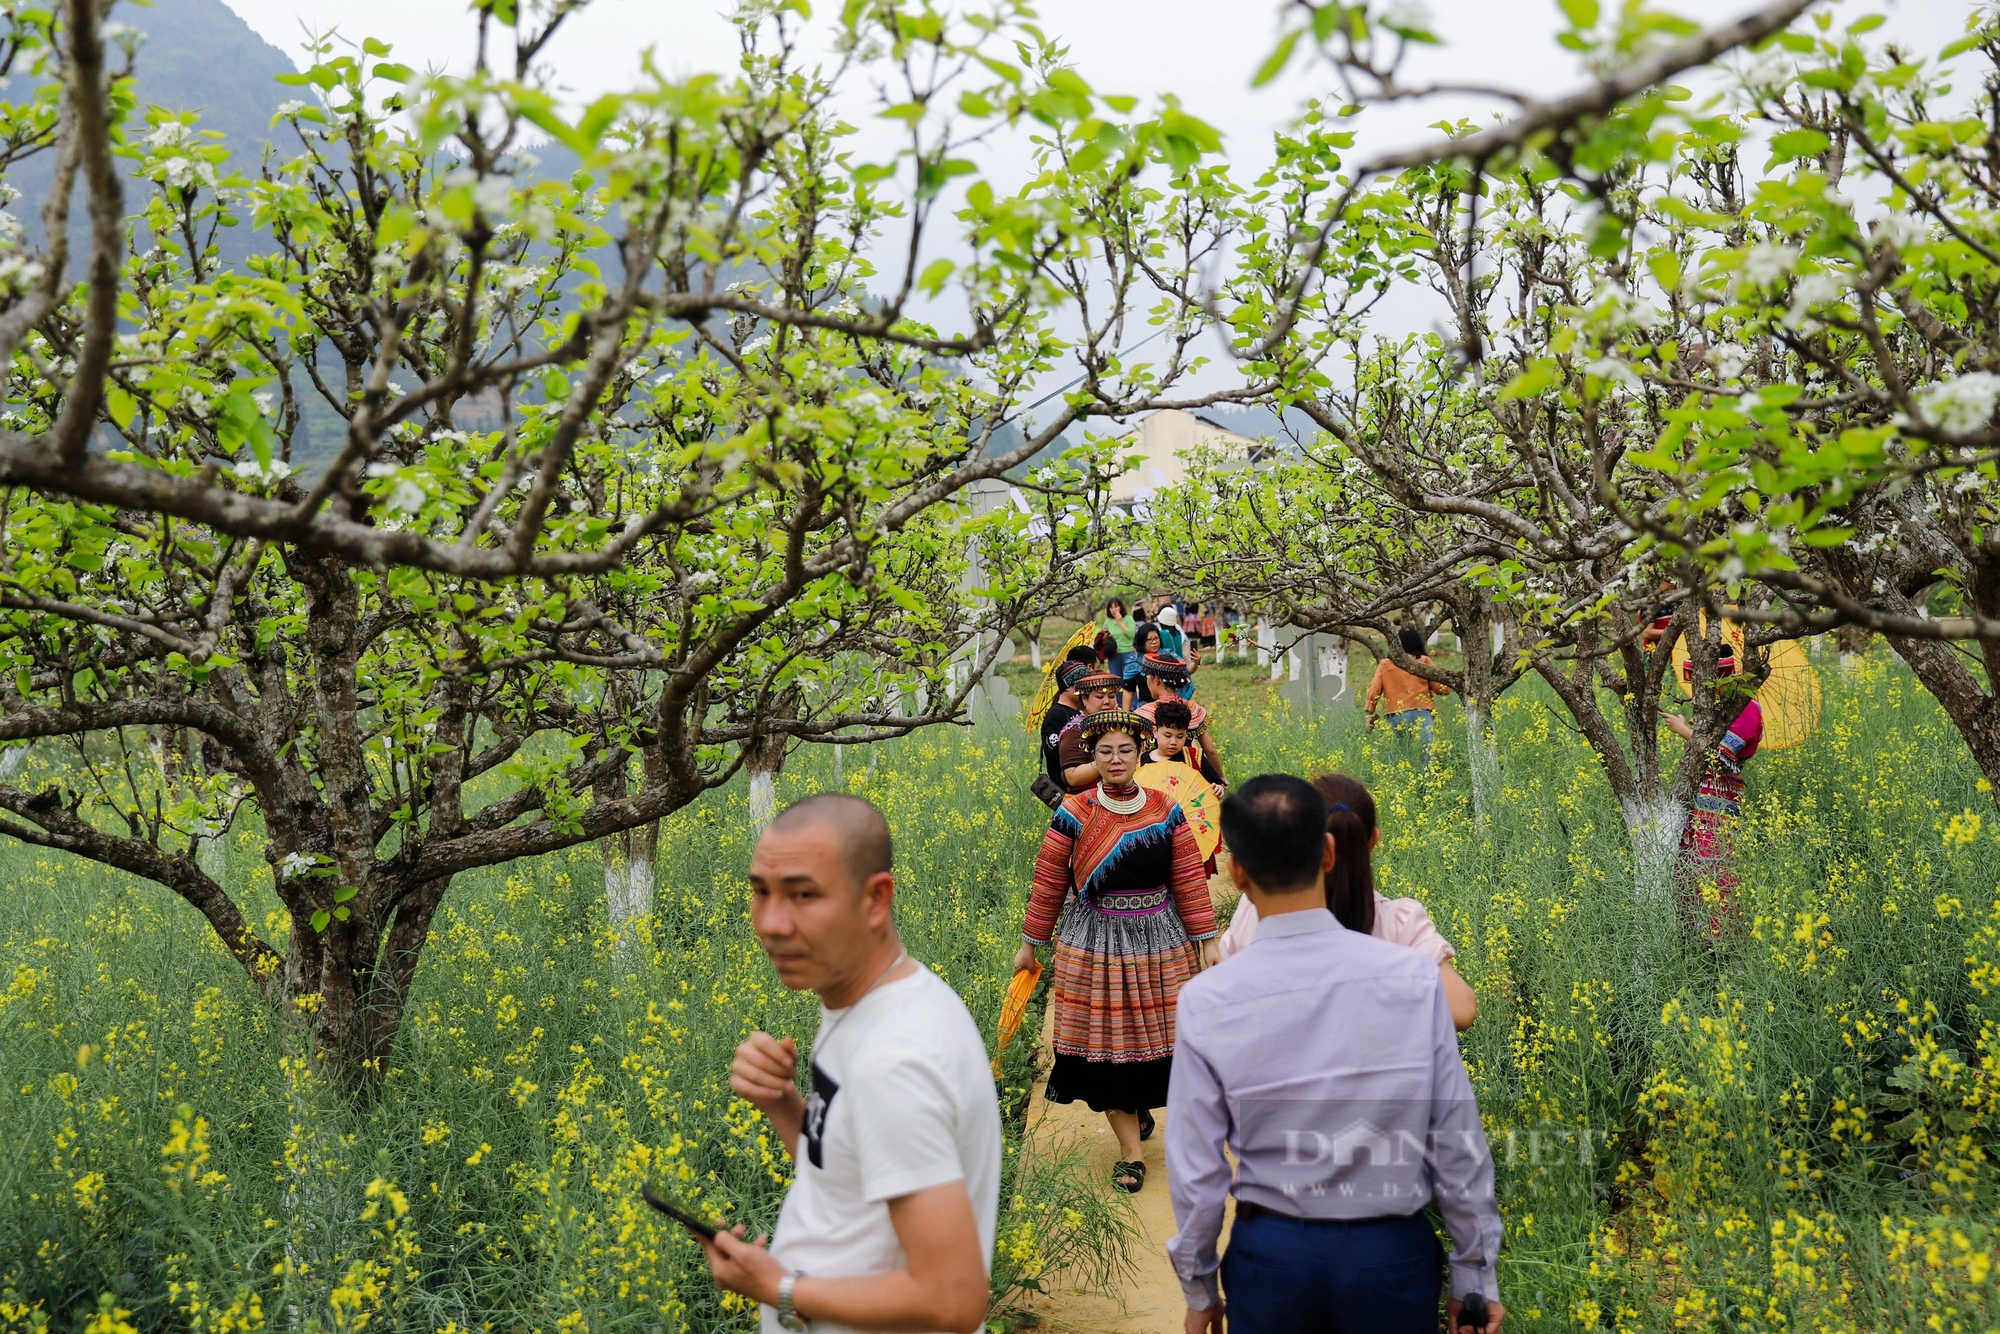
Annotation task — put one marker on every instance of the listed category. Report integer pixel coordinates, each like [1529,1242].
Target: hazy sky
[1203,53]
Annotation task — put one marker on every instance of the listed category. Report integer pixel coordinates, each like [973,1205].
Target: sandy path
[1151,1303]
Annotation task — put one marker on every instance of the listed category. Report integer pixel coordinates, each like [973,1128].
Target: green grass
[1788,1129]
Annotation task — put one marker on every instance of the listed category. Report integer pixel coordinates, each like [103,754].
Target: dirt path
[1151,1303]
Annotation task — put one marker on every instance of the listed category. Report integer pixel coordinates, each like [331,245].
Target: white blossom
[1412,15]
[1963,404]
[1728,360]
[1610,368]
[1902,230]
[1767,262]
[268,472]
[291,108]
[494,194]
[1812,289]
[407,497]
[169,134]
[297,863]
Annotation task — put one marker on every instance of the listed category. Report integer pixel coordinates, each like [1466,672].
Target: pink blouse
[1398,921]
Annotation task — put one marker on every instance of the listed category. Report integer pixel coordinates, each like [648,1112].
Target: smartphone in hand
[686,1218]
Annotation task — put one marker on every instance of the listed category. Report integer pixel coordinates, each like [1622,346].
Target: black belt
[1245,1209]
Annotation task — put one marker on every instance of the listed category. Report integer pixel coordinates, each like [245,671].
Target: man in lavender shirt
[1326,1061]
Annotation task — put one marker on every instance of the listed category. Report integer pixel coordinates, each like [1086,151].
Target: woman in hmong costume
[1707,849]
[1119,889]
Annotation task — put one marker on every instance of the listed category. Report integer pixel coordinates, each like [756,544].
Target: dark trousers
[1328,1276]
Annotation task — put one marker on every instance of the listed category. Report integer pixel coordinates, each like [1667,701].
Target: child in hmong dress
[1707,850]
[1120,891]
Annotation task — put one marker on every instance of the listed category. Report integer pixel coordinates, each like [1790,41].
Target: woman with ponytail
[1353,900]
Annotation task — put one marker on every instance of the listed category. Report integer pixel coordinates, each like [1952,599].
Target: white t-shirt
[902,1100]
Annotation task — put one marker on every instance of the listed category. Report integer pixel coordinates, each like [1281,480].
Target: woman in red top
[1119,891]
[1708,839]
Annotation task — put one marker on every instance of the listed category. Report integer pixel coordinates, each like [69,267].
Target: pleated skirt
[1118,976]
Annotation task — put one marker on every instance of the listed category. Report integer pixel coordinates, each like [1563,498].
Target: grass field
[1791,1130]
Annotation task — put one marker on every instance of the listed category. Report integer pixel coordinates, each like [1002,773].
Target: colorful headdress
[1096,725]
[1069,673]
[1097,680]
[1725,665]
[1168,668]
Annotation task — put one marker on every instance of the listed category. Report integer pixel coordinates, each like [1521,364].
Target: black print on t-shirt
[818,1103]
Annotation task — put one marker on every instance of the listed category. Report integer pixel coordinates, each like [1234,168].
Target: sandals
[1145,1125]
[1135,1170]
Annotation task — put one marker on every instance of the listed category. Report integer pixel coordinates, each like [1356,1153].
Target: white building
[1162,443]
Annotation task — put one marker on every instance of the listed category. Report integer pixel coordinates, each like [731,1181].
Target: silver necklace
[1131,805]
[827,1032]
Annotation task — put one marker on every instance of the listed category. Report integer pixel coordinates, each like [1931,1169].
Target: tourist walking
[1119,891]
[1707,855]
[1173,640]
[1310,1057]
[896,1151]
[1167,677]
[1359,906]
[1408,697]
[1145,644]
[1120,625]
[1173,727]
[1067,705]
[1098,692]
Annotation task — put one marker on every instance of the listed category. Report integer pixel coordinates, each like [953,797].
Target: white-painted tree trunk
[1483,763]
[1035,652]
[1654,827]
[763,798]
[212,856]
[12,760]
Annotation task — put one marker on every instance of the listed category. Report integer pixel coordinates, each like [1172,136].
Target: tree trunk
[764,759]
[1472,621]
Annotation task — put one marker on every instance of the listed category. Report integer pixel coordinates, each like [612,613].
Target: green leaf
[320,919]
[1580,13]
[1281,55]
[120,405]
[1795,144]
[935,275]
[344,893]
[1532,381]
[340,914]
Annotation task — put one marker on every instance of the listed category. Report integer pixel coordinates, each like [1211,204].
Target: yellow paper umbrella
[1789,697]
[1045,694]
[1014,1007]
[1197,799]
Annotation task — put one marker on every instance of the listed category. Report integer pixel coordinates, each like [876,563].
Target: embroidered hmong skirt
[1120,965]
[1708,846]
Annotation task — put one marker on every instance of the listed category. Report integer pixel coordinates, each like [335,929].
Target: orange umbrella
[1014,1007]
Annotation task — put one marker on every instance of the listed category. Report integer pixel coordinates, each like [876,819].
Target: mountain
[197,56]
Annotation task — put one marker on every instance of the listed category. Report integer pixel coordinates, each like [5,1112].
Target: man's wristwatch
[787,1316]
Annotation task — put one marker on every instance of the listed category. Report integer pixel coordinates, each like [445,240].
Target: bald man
[889,1221]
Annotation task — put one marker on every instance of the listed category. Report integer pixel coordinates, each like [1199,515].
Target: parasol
[1197,799]
[1045,694]
[1015,1006]
[1789,697]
